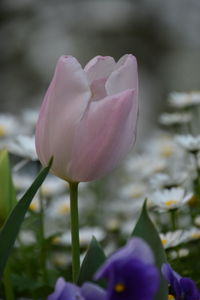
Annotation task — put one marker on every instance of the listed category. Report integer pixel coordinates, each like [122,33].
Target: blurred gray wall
[164,36]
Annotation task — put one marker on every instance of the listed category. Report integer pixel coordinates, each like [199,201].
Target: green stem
[42,235]
[42,238]
[73,187]
[8,284]
[173,216]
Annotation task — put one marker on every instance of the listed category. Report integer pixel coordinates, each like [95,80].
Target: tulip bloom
[88,117]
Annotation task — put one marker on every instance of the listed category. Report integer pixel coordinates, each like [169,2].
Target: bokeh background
[164,36]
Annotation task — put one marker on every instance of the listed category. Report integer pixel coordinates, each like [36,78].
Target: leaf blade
[12,225]
[146,230]
[93,259]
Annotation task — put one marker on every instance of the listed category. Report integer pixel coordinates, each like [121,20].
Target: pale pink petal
[124,77]
[105,135]
[64,105]
[99,67]
[98,89]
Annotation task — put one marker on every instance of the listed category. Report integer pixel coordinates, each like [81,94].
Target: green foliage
[13,223]
[146,230]
[7,191]
[94,258]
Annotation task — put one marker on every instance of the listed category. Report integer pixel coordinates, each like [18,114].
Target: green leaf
[94,258]
[12,225]
[146,230]
[8,194]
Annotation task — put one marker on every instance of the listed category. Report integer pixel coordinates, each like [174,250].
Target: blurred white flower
[183,252]
[23,146]
[53,186]
[172,239]
[29,117]
[167,199]
[193,234]
[164,180]
[197,221]
[132,190]
[168,119]
[86,234]
[160,145]
[143,166]
[182,100]
[9,125]
[26,237]
[188,142]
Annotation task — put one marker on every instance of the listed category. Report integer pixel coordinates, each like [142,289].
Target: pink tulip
[88,117]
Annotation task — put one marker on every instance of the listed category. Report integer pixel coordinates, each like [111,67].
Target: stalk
[73,187]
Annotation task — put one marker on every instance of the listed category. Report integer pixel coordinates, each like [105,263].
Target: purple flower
[69,291]
[182,288]
[131,273]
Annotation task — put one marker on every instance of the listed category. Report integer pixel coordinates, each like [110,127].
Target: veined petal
[64,105]
[105,135]
[125,76]
[99,67]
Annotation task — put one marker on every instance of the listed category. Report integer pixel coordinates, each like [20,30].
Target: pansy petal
[189,289]
[65,291]
[135,248]
[91,291]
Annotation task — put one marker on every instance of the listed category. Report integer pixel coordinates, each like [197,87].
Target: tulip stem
[73,187]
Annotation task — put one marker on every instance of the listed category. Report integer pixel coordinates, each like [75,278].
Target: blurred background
[163,35]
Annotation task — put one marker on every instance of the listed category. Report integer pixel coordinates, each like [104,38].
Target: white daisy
[144,165]
[133,190]
[188,142]
[197,221]
[193,234]
[164,180]
[9,125]
[161,145]
[182,100]
[53,186]
[172,239]
[30,116]
[169,119]
[167,199]
[23,146]
[85,233]
[183,252]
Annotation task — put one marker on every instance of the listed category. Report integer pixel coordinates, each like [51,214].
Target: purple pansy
[182,288]
[130,272]
[69,291]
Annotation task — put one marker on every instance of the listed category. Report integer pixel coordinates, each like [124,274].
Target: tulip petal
[124,76]
[98,89]
[105,135]
[64,105]
[99,67]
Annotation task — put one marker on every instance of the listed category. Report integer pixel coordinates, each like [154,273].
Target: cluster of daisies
[166,172]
